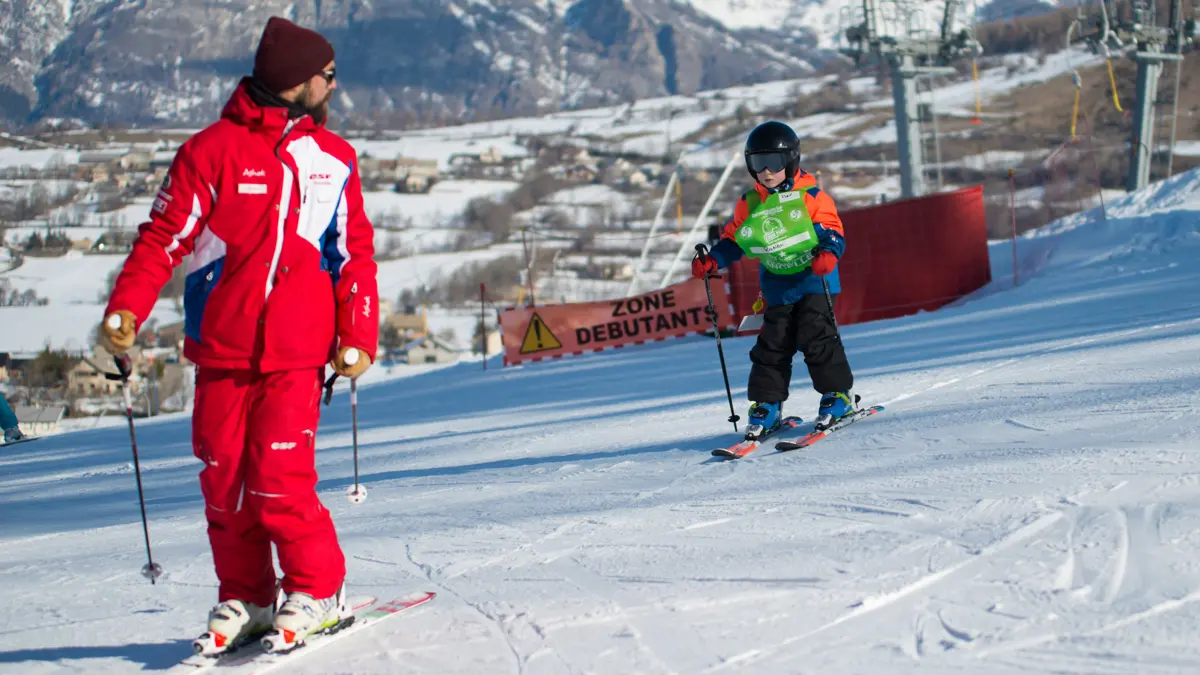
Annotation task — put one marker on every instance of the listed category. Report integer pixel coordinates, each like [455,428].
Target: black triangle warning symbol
[538,337]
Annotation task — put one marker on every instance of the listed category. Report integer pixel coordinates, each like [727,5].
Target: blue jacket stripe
[331,256]
[197,287]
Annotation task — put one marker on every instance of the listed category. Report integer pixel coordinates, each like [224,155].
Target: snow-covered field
[28,330]
[1029,501]
[70,279]
[444,201]
[827,19]
[73,284]
[37,159]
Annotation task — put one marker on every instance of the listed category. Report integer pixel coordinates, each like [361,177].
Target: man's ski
[252,660]
[751,442]
[809,439]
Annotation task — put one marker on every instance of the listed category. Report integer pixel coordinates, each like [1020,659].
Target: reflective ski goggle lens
[772,161]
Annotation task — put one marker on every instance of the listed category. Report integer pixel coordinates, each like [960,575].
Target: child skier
[794,231]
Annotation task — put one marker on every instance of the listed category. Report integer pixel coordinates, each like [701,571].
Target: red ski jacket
[269,213]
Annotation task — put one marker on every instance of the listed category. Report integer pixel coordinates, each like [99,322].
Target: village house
[620,168]
[40,421]
[18,363]
[584,173]
[618,270]
[491,163]
[415,175]
[135,160]
[405,174]
[155,177]
[426,349]
[409,324]
[125,181]
[87,378]
[101,173]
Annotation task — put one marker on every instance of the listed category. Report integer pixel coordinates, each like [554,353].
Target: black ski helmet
[772,137]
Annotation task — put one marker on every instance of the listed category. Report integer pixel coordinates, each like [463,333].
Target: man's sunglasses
[329,75]
[772,161]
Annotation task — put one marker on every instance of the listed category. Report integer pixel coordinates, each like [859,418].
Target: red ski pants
[256,434]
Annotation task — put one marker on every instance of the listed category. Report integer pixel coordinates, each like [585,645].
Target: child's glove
[703,266]
[824,263]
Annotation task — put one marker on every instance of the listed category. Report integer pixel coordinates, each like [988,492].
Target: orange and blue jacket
[785,289]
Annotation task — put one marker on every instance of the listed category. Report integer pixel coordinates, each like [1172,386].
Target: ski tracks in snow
[1127,575]
[492,618]
[520,629]
[872,604]
[1111,555]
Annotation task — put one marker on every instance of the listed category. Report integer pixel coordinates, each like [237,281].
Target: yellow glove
[350,362]
[118,331]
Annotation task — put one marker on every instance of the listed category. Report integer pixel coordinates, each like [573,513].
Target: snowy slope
[1028,503]
[819,17]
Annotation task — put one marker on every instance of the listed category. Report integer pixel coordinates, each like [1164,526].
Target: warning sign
[538,338]
[557,330]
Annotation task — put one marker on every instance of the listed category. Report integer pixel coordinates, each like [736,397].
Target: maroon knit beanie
[289,55]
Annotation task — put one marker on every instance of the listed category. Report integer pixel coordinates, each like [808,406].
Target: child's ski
[809,439]
[754,439]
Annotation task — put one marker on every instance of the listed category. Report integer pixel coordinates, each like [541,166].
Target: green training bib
[778,232]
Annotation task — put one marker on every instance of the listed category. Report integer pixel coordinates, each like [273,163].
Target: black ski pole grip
[702,253]
[329,388]
[124,368]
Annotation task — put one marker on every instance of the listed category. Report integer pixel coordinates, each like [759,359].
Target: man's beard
[320,111]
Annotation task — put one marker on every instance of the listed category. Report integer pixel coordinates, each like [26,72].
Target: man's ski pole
[702,251]
[356,493]
[151,570]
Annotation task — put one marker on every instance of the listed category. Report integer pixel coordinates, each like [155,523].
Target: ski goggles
[771,161]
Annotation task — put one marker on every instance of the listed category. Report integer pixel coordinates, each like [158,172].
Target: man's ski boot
[834,406]
[764,419]
[303,615]
[233,624]
[13,434]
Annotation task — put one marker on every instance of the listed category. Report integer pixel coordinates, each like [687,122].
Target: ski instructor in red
[265,208]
